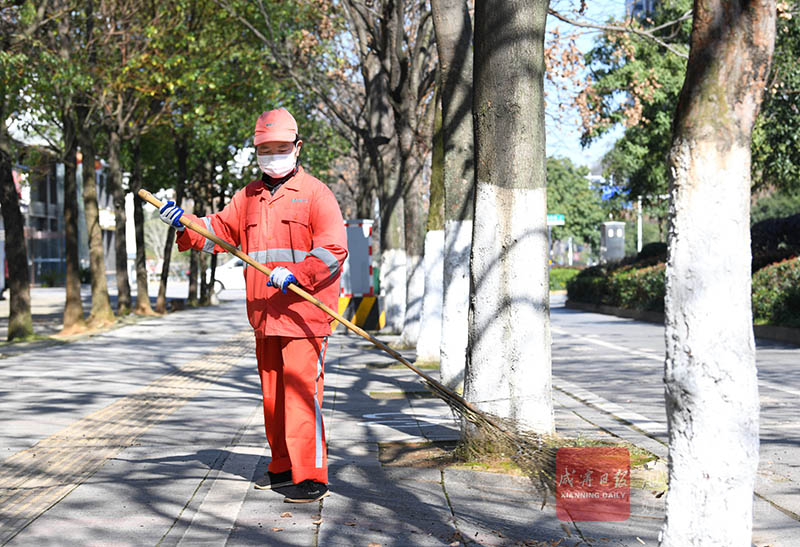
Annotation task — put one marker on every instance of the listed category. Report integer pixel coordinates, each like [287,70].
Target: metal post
[639,226]
[569,250]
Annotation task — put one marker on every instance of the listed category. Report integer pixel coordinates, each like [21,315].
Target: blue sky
[563,136]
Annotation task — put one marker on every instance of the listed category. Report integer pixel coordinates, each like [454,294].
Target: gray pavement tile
[132,500]
[264,518]
[496,509]
[388,506]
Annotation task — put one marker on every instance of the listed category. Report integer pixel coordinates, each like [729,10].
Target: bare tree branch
[648,34]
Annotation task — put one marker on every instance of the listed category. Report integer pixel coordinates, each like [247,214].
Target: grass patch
[395,365]
[490,456]
[489,464]
[383,395]
[639,456]
[31,338]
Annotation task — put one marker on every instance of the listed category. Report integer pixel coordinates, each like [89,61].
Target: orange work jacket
[301,228]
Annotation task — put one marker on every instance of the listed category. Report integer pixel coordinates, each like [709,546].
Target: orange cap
[275,126]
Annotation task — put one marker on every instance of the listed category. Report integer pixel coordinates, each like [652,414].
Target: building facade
[41,190]
[639,9]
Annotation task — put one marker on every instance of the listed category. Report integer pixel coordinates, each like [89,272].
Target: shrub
[589,285]
[638,286]
[776,294]
[636,289]
[51,279]
[776,290]
[85,275]
[774,239]
[560,276]
[657,249]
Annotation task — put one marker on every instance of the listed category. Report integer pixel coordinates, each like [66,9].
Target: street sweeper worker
[290,222]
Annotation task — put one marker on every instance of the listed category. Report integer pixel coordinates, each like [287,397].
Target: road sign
[555,220]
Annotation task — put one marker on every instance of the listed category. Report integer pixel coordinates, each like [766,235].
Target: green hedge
[776,294]
[559,277]
[776,289]
[620,286]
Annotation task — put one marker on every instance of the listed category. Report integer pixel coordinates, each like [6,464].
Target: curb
[786,335]
[639,315]
[780,334]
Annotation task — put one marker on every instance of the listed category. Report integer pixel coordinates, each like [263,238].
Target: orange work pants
[292,373]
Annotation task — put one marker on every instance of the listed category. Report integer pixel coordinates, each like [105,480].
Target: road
[617,365]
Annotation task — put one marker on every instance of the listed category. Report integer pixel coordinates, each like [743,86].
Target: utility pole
[639,225]
[569,251]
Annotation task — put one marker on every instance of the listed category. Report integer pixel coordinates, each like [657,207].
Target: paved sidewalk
[152,434]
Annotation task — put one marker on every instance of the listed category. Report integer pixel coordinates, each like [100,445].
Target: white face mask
[277,165]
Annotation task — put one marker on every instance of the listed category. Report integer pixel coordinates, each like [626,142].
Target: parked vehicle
[228,276]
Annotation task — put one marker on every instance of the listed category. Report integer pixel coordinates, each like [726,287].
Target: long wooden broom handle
[152,200]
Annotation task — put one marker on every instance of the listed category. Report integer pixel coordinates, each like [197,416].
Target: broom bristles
[533,453]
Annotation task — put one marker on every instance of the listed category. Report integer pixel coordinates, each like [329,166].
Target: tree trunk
[414,217]
[454,44]
[205,288]
[142,292]
[120,217]
[73,308]
[20,320]
[212,299]
[710,372]
[194,259]
[393,254]
[508,368]
[101,313]
[181,153]
[430,330]
[391,232]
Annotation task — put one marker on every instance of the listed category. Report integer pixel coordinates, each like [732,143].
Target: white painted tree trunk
[455,306]
[430,333]
[393,287]
[415,289]
[710,375]
[509,373]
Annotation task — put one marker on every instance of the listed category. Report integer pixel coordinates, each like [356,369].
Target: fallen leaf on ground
[286,515]
[277,529]
[374,545]
[316,522]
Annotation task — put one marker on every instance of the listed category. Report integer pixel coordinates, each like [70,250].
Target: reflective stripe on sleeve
[208,247]
[327,257]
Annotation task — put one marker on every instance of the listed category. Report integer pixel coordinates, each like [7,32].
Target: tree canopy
[635,82]
[570,193]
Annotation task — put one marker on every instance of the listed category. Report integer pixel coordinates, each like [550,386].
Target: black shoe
[270,481]
[305,492]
